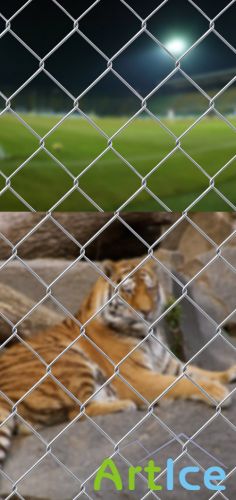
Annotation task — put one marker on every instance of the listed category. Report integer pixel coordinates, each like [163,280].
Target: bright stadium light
[176,46]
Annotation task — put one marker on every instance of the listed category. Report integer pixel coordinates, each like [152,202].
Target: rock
[216,226]
[78,451]
[216,281]
[15,497]
[172,239]
[69,289]
[190,242]
[48,240]
[173,260]
[14,306]
[200,316]
[213,293]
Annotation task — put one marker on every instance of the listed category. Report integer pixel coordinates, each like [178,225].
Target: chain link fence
[118,446]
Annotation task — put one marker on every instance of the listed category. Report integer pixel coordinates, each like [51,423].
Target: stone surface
[216,283]
[189,241]
[217,226]
[48,240]
[200,316]
[14,306]
[172,259]
[210,301]
[70,288]
[82,448]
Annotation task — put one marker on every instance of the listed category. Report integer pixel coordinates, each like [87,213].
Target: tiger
[110,357]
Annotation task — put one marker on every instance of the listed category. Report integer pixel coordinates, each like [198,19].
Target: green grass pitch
[110,181]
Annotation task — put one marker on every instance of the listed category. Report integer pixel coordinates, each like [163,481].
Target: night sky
[109,25]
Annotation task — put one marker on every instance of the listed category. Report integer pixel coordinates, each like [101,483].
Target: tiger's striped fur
[49,387]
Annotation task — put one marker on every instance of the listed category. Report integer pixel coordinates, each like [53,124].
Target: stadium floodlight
[176,46]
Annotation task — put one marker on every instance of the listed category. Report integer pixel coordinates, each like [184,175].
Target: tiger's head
[140,300]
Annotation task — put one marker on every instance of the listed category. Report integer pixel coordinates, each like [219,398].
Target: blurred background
[109,98]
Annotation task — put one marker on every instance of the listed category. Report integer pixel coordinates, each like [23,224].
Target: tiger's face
[140,300]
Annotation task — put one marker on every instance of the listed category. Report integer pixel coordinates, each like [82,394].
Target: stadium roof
[213,78]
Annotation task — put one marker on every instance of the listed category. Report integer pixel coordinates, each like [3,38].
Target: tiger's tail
[7,425]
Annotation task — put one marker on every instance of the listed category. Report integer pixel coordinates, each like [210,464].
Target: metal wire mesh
[75,100]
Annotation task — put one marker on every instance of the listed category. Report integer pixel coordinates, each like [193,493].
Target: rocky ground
[82,448]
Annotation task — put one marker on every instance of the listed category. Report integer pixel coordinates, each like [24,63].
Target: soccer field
[110,181]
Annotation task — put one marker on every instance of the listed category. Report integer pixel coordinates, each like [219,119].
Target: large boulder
[191,242]
[214,277]
[69,282]
[210,302]
[48,239]
[14,306]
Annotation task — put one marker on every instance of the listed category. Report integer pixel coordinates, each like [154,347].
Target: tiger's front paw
[231,374]
[218,392]
[128,405]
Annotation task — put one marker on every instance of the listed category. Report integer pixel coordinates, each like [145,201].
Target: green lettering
[133,471]
[151,469]
[113,475]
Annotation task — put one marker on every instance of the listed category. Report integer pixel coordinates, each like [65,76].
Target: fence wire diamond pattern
[75,100]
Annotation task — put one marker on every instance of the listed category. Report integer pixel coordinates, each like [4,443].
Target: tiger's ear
[108,268]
